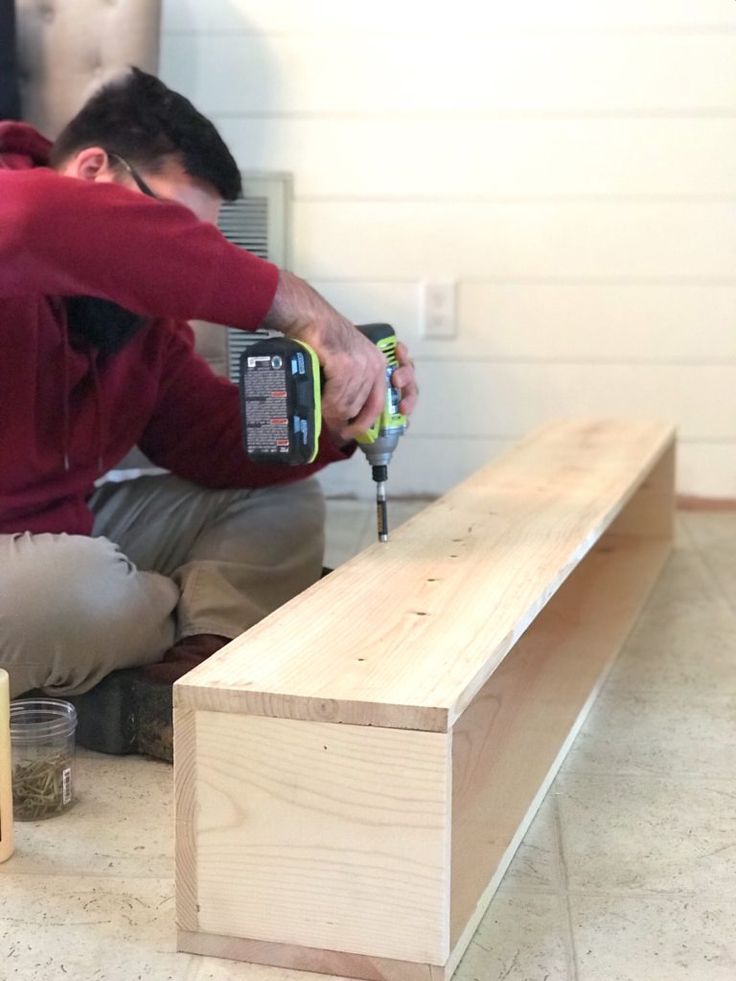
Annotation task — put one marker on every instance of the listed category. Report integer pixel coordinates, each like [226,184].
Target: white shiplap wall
[572,165]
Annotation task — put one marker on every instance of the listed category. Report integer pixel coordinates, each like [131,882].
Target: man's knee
[73,608]
[52,581]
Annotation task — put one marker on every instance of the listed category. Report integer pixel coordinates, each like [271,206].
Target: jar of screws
[42,744]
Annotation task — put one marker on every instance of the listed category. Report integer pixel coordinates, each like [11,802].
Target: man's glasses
[140,183]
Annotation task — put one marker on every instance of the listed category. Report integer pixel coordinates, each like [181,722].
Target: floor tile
[537,861]
[684,639]
[708,528]
[88,927]
[522,937]
[685,580]
[713,534]
[644,809]
[98,928]
[680,647]
[661,733]
[121,824]
[653,938]
[649,834]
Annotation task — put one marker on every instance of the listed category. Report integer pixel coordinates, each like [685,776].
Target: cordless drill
[280,400]
[380,441]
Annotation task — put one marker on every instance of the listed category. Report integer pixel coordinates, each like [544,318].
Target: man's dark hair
[142,120]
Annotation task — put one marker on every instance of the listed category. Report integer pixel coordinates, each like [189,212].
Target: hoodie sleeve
[196,431]
[60,236]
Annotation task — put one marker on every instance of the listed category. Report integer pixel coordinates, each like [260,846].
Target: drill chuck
[379,452]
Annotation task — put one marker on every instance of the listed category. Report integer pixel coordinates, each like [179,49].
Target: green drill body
[380,441]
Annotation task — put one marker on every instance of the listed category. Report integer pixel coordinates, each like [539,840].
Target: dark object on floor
[131,711]
[107,716]
[126,713]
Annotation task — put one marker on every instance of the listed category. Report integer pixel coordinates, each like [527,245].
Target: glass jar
[42,745]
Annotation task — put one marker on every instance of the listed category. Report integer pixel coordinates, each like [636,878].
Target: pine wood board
[318,835]
[510,742]
[337,963]
[269,791]
[428,637]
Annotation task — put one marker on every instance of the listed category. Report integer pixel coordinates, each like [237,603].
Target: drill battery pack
[280,401]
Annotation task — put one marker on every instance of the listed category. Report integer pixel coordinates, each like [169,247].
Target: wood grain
[323,836]
[185,792]
[460,661]
[407,633]
[510,742]
[651,512]
[290,957]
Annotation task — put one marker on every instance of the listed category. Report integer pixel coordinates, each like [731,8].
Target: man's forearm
[353,368]
[297,308]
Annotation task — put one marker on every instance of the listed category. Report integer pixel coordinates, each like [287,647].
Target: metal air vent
[258,222]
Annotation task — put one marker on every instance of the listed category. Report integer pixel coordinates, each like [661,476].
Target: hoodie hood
[99,323]
[22,146]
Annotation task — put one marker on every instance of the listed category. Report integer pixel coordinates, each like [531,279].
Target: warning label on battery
[266,409]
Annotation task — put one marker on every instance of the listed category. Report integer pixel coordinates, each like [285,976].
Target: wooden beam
[354,773]
[510,742]
[406,634]
[346,841]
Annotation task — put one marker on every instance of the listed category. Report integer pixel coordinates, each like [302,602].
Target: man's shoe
[154,694]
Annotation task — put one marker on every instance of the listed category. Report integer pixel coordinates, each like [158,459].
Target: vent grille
[257,222]
[245,223]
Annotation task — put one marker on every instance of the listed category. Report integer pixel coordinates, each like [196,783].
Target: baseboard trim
[691,502]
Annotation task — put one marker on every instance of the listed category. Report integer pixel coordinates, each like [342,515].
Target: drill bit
[381,513]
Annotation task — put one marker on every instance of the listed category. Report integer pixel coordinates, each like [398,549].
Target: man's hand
[354,377]
[354,369]
[405,380]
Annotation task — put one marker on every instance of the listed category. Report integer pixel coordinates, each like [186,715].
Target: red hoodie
[67,415]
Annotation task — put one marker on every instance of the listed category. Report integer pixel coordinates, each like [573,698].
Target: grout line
[563,892]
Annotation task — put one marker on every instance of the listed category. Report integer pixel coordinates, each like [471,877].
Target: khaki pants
[166,559]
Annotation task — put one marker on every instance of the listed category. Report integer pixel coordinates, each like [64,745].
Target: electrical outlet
[437,305]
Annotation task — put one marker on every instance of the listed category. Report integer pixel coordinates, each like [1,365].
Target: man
[108,245]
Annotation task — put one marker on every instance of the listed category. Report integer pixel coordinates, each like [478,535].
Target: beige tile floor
[628,872]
